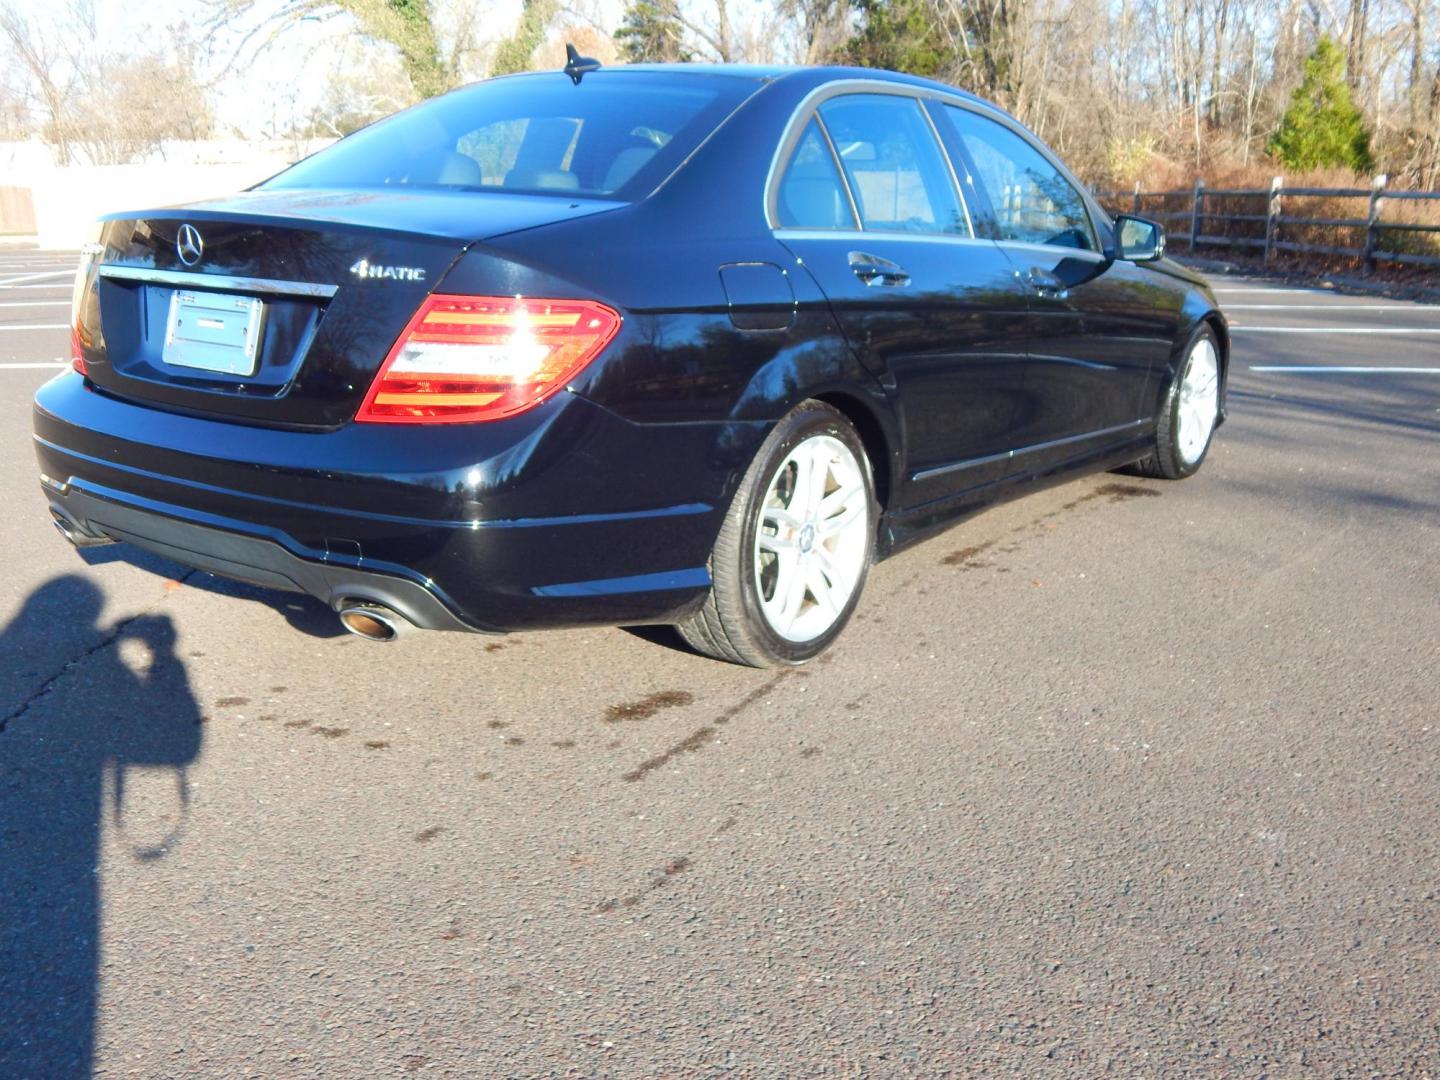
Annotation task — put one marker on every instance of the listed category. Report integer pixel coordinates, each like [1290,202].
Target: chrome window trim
[785,233]
[809,106]
[221,282]
[955,184]
[839,175]
[839,166]
[936,143]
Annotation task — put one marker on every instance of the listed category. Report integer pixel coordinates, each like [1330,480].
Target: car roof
[758,72]
[810,75]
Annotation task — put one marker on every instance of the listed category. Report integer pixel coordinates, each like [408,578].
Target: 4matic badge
[366,269]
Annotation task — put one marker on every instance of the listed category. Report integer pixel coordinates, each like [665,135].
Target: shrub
[1322,126]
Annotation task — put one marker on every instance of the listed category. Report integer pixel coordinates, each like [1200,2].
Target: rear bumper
[94,512]
[566,516]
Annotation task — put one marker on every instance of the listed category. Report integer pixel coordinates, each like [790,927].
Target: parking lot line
[1269,289]
[37,326]
[1335,329]
[1338,369]
[35,303]
[1331,307]
[36,277]
[29,366]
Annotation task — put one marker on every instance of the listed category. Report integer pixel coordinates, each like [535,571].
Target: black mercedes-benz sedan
[652,344]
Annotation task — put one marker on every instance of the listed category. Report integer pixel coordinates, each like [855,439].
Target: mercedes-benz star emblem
[188,245]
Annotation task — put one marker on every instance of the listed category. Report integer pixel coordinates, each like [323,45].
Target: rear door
[866,199]
[1097,327]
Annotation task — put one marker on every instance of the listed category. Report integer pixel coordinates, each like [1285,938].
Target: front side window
[811,194]
[1032,200]
[896,169]
[533,133]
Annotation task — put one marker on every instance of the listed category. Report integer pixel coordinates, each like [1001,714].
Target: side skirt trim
[943,470]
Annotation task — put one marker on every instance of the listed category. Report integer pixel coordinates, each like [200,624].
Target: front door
[1097,331]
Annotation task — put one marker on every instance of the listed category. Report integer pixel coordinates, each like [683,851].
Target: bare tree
[51,70]
[99,106]
[1122,88]
[409,28]
[819,28]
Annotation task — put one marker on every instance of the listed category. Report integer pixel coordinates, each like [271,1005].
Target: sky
[283,81]
[274,88]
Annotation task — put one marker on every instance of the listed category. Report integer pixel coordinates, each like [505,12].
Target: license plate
[213,332]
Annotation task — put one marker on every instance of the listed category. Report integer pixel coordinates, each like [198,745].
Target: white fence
[65,200]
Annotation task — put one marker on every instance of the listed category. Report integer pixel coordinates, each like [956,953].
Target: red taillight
[485,357]
[77,354]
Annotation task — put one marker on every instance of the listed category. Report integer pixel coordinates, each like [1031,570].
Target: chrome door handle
[1045,284]
[875,271]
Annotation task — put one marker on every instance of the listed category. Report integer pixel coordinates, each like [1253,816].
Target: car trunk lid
[278,307]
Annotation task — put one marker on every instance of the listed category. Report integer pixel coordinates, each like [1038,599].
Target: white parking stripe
[1335,329]
[50,285]
[36,326]
[35,303]
[1332,307]
[1336,369]
[35,277]
[1268,289]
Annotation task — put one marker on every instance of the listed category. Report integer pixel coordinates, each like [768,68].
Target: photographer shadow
[303,613]
[66,745]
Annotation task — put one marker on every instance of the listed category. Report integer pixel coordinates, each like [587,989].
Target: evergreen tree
[514,53]
[1322,126]
[899,35]
[651,33]
[409,25]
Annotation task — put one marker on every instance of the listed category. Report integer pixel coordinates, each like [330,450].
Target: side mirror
[1138,239]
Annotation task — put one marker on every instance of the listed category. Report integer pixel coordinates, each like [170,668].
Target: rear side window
[537,134]
[1032,200]
[896,169]
[812,195]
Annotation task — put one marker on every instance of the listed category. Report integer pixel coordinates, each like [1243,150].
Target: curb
[1339,283]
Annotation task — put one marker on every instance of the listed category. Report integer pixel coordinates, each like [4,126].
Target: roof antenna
[576,66]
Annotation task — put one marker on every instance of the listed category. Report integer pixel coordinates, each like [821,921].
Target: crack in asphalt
[49,684]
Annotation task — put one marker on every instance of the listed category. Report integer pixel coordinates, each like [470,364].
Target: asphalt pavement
[1125,778]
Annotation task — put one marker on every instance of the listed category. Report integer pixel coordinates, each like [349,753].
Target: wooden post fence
[1239,228]
[1195,215]
[1272,213]
[1377,190]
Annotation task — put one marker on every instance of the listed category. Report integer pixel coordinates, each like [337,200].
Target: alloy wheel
[1199,401]
[811,540]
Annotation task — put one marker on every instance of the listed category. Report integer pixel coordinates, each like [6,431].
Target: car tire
[1186,424]
[793,552]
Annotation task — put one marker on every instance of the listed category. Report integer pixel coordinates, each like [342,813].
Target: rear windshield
[616,134]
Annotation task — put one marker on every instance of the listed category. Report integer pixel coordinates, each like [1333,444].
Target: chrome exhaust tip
[373,622]
[74,533]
